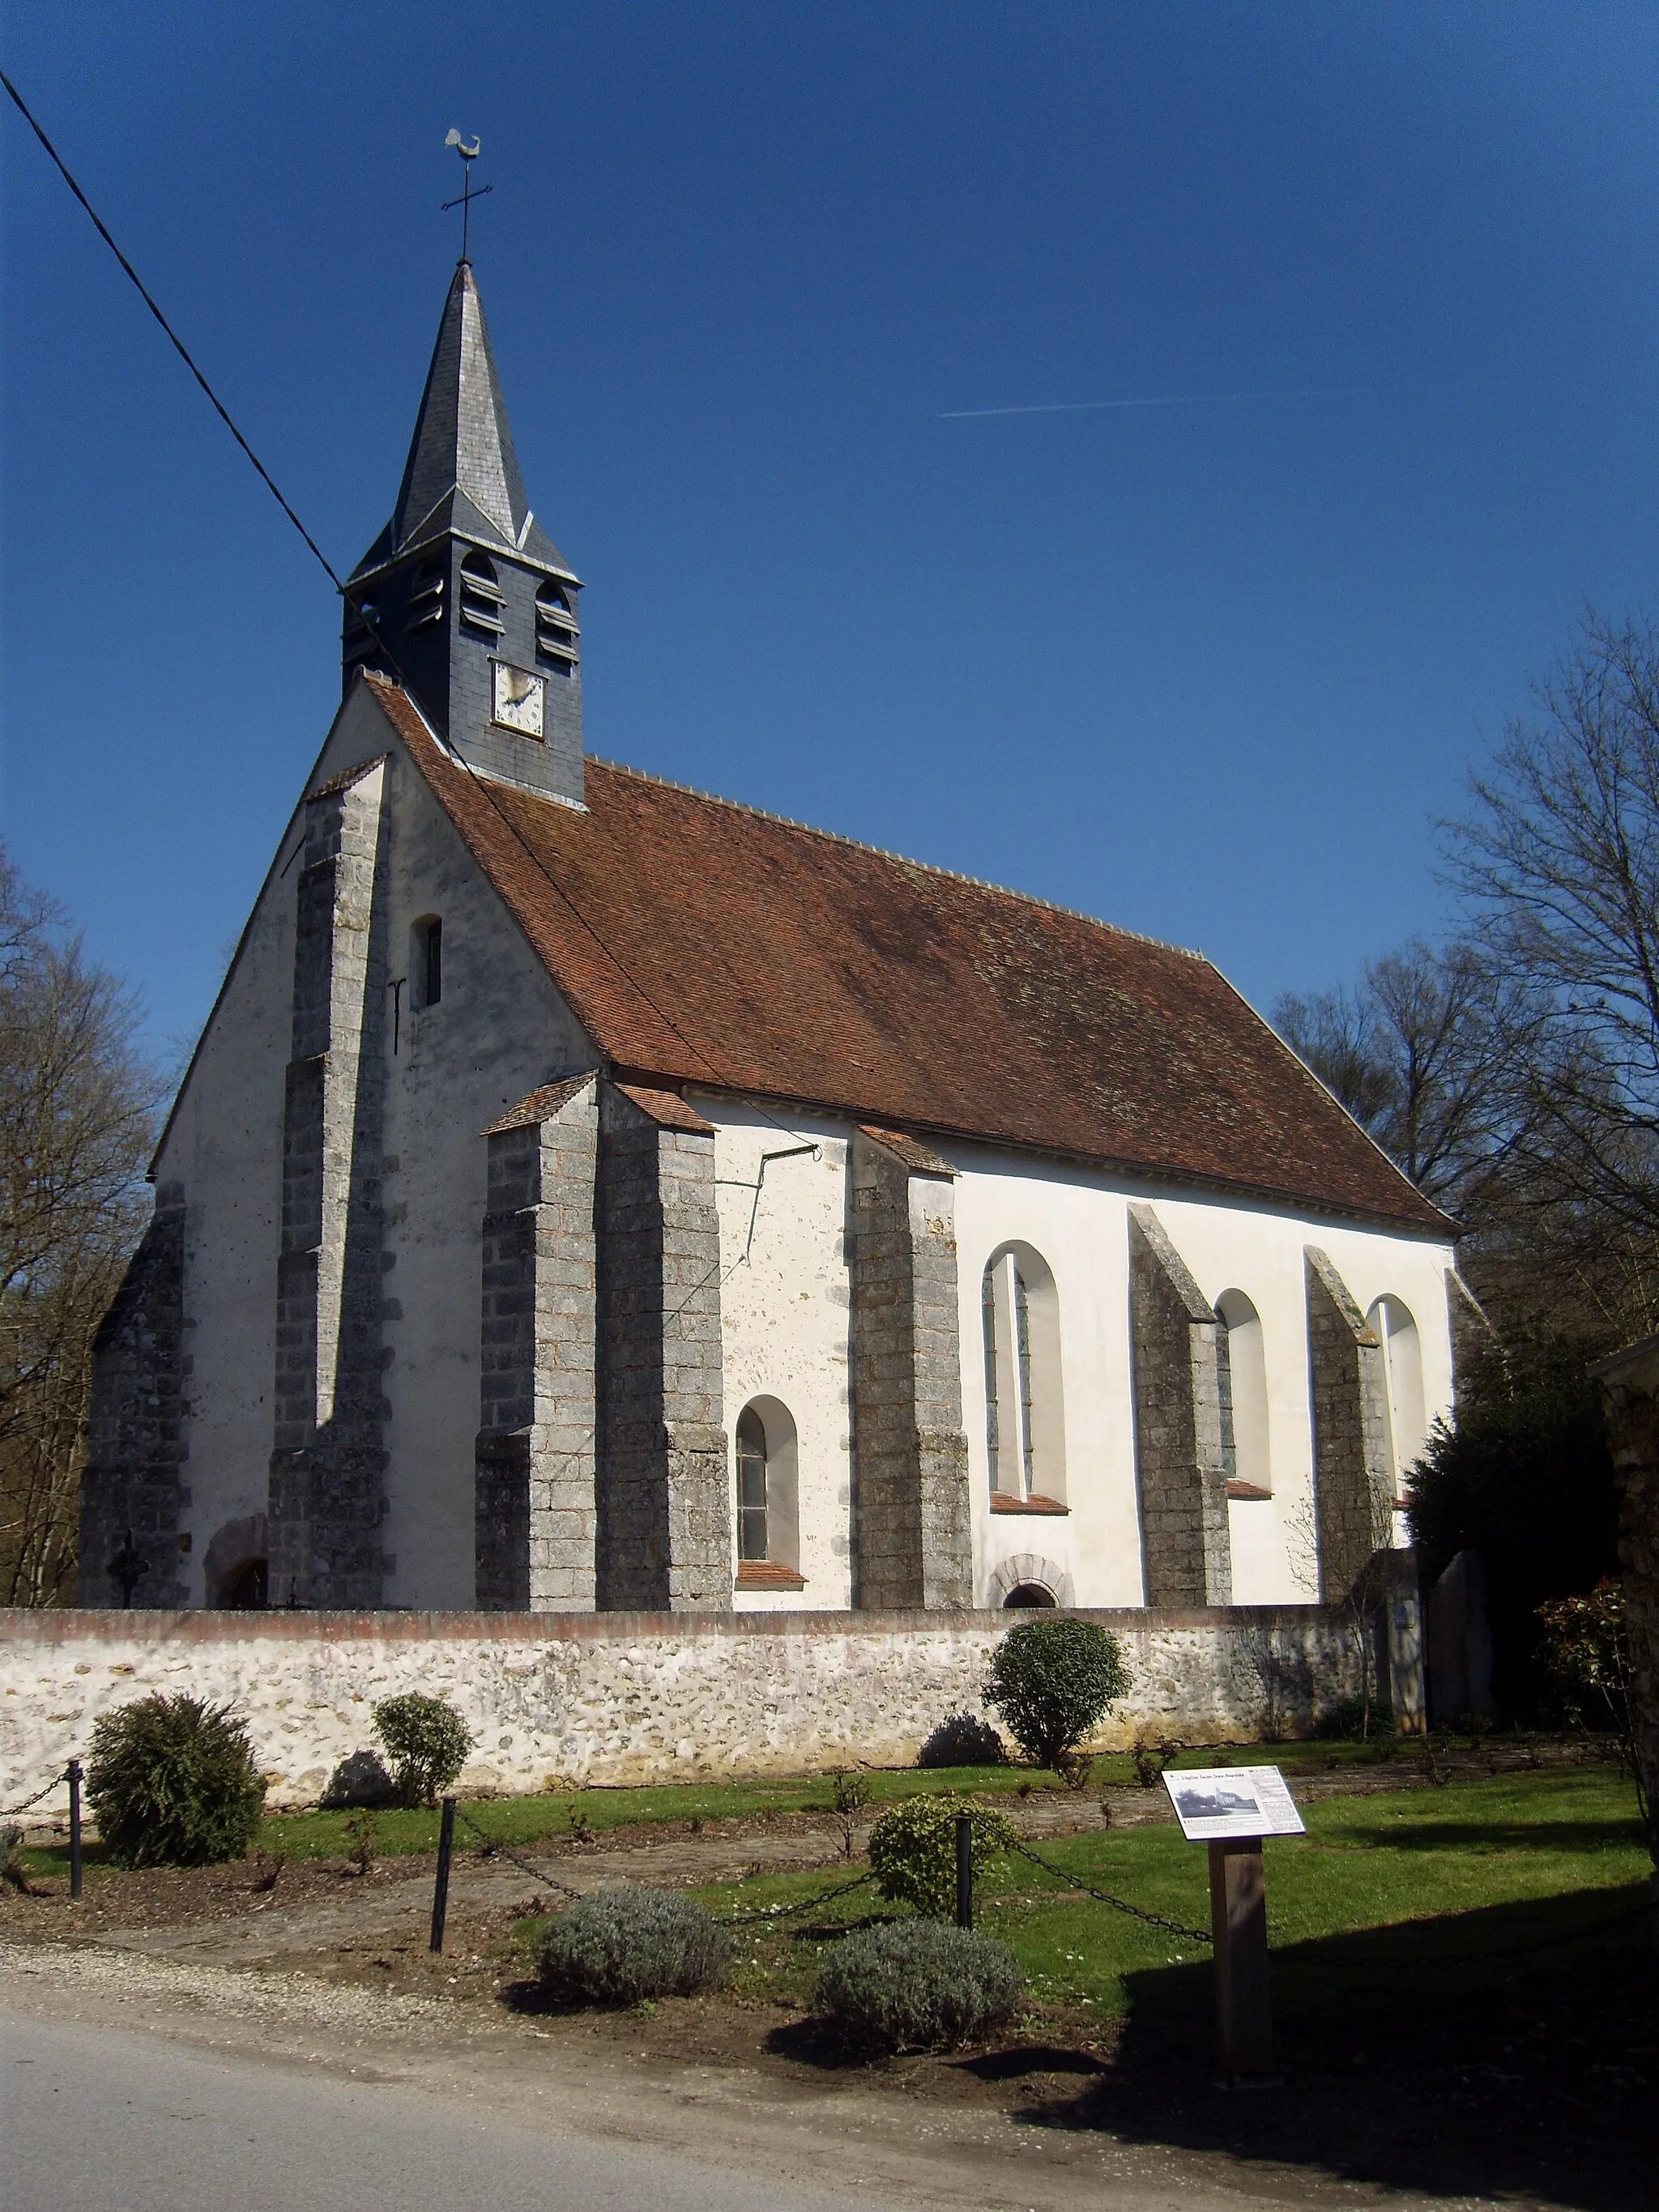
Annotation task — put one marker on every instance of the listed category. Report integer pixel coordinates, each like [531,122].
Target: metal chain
[56,1783]
[1119,1904]
[524,1865]
[729,1920]
[788,1912]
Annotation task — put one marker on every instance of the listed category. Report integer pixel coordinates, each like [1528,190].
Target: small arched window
[1390,1319]
[1024,1418]
[481,598]
[1244,1380]
[426,959]
[769,1519]
[1028,1597]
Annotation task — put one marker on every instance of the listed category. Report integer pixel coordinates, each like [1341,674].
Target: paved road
[104,2120]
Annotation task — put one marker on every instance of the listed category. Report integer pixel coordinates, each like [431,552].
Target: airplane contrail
[1185,399]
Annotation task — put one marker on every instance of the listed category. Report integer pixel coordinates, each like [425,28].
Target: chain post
[964,1870]
[440,1886]
[72,1775]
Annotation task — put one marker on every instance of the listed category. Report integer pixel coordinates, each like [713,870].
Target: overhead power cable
[354,600]
[179,347]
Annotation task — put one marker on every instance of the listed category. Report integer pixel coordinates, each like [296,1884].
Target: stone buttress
[328,1464]
[913,1542]
[1178,1349]
[1353,1486]
[136,1447]
[665,1489]
[535,1511]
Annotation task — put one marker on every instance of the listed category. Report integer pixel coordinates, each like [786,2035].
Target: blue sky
[1209,670]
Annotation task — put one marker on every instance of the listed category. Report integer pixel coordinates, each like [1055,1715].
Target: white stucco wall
[1078,1222]
[784,1318]
[224,1144]
[499,1030]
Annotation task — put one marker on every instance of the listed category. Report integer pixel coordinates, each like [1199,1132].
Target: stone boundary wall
[626,1697]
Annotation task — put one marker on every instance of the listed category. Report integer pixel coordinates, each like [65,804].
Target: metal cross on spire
[465,198]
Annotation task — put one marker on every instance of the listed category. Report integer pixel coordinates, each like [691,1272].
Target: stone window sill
[766,1574]
[1002,1502]
[1247,1490]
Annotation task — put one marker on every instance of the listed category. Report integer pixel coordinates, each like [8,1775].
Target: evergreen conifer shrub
[426,1744]
[172,1782]
[620,1946]
[1054,1680]
[914,1985]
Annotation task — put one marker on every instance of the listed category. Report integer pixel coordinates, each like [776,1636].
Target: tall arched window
[769,1516]
[1024,1415]
[1402,1364]
[1244,1399]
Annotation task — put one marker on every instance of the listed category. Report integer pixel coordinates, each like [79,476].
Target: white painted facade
[499,1030]
[784,1305]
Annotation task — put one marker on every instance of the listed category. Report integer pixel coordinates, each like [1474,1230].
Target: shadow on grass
[1513,2050]
[1579,1837]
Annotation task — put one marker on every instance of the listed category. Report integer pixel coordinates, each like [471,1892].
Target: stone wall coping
[48,1626]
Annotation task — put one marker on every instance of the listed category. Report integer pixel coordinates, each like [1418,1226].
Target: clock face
[520,699]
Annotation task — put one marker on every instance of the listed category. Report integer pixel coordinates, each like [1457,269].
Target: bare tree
[1411,1054]
[1560,861]
[78,1119]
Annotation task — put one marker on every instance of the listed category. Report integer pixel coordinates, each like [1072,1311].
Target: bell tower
[469,604]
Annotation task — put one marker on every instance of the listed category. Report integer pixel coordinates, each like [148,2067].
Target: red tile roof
[667,1109]
[701,942]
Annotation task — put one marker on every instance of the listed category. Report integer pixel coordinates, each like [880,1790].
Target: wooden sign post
[1238,1927]
[1231,1808]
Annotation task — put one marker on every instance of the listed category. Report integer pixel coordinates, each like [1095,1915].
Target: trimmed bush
[426,1742]
[913,1850]
[620,1946]
[172,1782]
[1054,1680]
[916,1987]
[964,1740]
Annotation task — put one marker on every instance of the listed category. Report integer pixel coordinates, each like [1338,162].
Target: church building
[589,1194]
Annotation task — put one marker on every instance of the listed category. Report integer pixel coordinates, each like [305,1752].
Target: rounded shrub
[913,1850]
[619,1946]
[1054,1680]
[172,1782]
[426,1744]
[916,1987]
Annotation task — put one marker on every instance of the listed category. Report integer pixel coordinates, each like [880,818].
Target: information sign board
[1215,1801]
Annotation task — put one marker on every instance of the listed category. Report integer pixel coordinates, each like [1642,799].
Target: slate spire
[470,604]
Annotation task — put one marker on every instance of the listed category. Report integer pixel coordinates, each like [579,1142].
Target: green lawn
[524,1819]
[1425,1895]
